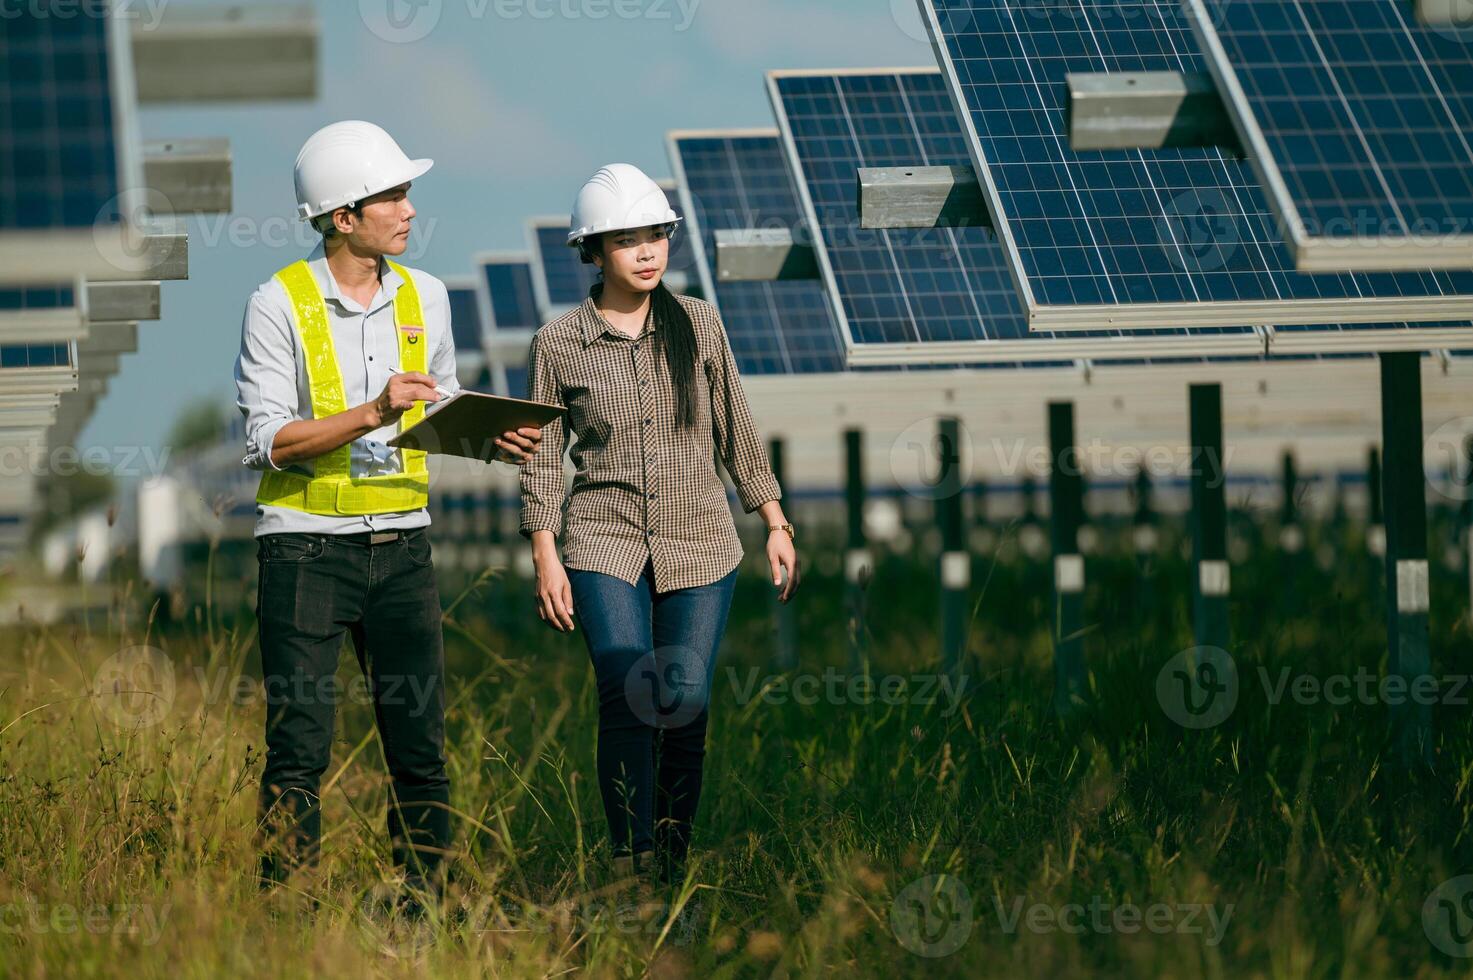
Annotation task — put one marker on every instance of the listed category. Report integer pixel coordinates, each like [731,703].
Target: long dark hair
[675,334]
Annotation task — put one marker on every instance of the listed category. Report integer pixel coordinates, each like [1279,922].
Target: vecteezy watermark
[386,690]
[919,457]
[926,464]
[1104,917]
[145,15]
[1451,19]
[1449,455]
[138,686]
[955,17]
[1199,231]
[668,687]
[833,687]
[407,21]
[118,461]
[30,916]
[283,232]
[932,916]
[1364,687]
[1198,688]
[134,688]
[594,917]
[1447,916]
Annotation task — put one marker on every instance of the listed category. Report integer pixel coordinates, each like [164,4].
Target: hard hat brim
[574,237]
[417,169]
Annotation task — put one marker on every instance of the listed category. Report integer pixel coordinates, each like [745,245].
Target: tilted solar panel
[465,318]
[736,181]
[513,299]
[1358,120]
[1139,238]
[928,295]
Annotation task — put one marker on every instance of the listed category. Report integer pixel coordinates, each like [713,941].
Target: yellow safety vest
[332,490]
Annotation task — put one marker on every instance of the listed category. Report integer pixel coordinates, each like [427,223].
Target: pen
[439,388]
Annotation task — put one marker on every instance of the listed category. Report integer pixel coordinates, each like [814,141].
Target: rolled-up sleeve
[265,377]
[738,442]
[544,488]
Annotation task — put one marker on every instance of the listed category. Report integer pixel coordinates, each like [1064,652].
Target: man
[339,353]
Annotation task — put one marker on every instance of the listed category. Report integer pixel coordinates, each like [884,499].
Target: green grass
[128,851]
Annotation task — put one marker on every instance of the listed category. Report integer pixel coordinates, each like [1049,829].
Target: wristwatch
[782,527]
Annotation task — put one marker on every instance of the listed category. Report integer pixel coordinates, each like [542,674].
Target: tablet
[468,424]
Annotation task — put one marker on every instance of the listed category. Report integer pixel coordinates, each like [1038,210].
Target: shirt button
[646,421]
[642,381]
[653,496]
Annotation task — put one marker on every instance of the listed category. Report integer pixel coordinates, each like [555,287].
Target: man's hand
[518,446]
[399,396]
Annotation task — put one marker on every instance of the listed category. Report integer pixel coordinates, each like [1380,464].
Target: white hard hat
[619,196]
[345,162]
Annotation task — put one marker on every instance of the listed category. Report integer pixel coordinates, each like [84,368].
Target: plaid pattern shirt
[643,488]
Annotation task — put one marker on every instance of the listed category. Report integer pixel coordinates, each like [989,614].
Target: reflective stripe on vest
[331,490]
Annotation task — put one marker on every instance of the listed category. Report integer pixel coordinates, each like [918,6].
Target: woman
[651,550]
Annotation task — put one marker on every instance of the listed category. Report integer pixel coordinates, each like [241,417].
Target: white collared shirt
[271,381]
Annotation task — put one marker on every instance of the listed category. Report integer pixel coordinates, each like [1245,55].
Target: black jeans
[314,588]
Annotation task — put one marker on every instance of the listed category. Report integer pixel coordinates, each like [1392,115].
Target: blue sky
[517,101]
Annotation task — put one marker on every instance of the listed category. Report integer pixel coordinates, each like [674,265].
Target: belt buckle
[383,537]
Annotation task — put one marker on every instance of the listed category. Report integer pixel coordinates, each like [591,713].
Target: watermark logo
[134,688]
[1199,231]
[668,687]
[400,21]
[1450,19]
[142,15]
[1447,916]
[140,920]
[926,464]
[1449,455]
[835,688]
[932,916]
[1198,688]
[135,233]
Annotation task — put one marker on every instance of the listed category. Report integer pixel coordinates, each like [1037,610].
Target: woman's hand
[554,594]
[518,446]
[781,554]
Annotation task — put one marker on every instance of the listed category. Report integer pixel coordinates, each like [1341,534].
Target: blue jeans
[653,655]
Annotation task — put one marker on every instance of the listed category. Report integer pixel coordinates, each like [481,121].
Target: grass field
[841,834]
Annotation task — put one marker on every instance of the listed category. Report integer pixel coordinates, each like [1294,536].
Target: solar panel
[559,278]
[35,355]
[923,295]
[513,300]
[508,299]
[56,297]
[740,180]
[67,144]
[1139,238]
[465,316]
[1357,119]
